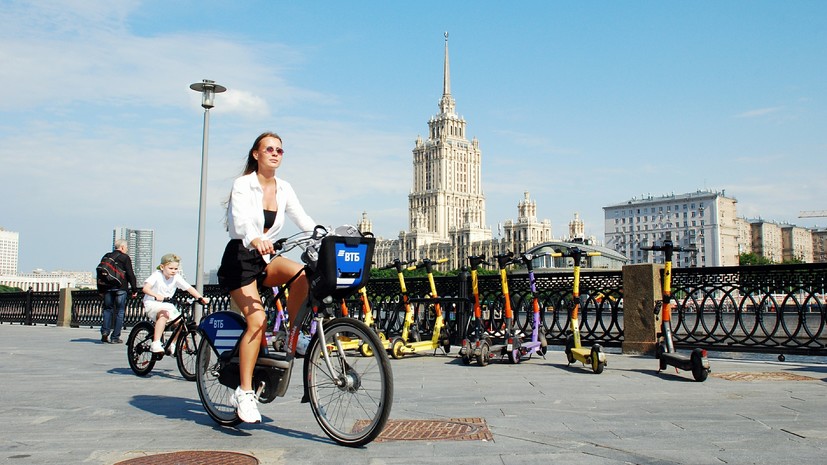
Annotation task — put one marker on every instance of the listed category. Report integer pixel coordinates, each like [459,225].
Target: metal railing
[773,308]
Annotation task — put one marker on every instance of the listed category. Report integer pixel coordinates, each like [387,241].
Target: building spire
[446,103]
[446,80]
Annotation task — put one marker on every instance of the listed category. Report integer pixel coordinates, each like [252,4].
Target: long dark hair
[250,166]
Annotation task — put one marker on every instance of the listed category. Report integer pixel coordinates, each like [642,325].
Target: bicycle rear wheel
[187,353]
[352,401]
[138,350]
[215,397]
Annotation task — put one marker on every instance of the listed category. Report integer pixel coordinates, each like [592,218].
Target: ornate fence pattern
[776,308]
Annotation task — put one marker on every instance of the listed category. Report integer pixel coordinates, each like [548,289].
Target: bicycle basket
[343,265]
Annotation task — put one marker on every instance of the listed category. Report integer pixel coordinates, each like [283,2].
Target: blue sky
[583,104]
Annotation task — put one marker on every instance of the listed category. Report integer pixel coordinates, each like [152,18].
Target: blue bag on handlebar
[343,265]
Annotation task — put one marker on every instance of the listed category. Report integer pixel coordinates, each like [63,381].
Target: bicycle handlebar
[397,263]
[477,260]
[668,245]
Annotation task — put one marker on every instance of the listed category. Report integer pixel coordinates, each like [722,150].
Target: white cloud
[758,112]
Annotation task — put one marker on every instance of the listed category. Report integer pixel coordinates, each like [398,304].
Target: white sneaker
[245,405]
[171,350]
[304,341]
[156,347]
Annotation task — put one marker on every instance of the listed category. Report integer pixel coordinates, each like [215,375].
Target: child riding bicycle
[158,289]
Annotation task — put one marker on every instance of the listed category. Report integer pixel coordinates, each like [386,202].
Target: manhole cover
[452,429]
[762,376]
[200,457]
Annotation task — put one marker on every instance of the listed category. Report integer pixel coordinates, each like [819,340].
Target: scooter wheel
[396,348]
[659,350]
[543,344]
[446,345]
[485,353]
[365,350]
[597,365]
[699,372]
[569,346]
[465,353]
[514,356]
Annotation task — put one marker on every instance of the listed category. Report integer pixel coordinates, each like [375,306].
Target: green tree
[751,258]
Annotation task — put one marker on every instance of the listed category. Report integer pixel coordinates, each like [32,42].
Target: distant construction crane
[812,214]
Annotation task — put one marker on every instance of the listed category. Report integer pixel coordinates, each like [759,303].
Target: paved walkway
[67,398]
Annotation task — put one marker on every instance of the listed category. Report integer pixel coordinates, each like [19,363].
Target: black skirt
[240,266]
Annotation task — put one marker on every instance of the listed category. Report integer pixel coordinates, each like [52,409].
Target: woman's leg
[248,300]
[279,271]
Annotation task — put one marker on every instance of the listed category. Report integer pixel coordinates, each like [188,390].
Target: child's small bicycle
[182,343]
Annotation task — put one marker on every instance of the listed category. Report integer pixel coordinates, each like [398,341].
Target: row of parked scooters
[503,340]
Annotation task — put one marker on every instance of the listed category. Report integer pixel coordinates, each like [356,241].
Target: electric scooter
[697,361]
[410,341]
[476,346]
[368,319]
[537,344]
[504,341]
[574,351]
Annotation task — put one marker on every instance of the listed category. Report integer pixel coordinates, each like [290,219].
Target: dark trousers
[114,308]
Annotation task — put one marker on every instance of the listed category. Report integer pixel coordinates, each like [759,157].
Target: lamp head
[208,90]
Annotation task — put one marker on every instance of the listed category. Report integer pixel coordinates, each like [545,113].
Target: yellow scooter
[410,341]
[367,318]
[574,351]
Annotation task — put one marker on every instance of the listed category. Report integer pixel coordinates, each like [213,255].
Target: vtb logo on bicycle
[350,256]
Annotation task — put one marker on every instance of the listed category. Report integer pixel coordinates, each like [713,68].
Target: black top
[269,218]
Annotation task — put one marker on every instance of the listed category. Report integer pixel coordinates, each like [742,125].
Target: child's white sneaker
[156,347]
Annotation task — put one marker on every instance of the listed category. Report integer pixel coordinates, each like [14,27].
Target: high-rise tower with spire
[446,205]
[447,186]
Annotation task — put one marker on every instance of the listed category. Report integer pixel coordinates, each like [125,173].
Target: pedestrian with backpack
[115,277]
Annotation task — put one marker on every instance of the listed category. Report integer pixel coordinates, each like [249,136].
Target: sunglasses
[272,150]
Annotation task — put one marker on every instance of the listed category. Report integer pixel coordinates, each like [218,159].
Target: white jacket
[245,212]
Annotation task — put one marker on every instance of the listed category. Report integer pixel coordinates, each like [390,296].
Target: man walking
[114,298]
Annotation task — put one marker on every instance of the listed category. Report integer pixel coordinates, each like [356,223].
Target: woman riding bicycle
[256,212]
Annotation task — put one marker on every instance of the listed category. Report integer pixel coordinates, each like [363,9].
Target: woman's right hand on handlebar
[263,246]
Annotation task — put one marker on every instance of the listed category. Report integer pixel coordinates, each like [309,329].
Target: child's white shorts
[152,307]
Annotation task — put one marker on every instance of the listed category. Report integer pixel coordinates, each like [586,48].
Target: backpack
[109,273]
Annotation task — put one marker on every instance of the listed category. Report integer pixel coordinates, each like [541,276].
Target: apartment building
[706,220]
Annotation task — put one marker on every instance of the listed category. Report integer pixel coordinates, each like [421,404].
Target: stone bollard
[641,290]
[64,307]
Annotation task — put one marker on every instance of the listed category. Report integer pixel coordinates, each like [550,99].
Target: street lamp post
[208,90]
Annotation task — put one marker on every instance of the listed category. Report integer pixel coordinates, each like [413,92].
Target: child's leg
[160,324]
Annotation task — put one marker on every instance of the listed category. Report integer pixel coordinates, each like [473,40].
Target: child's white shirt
[165,287]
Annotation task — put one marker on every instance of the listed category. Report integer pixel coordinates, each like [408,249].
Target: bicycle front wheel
[215,397]
[351,397]
[187,353]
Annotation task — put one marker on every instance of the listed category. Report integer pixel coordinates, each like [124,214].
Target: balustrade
[774,308]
